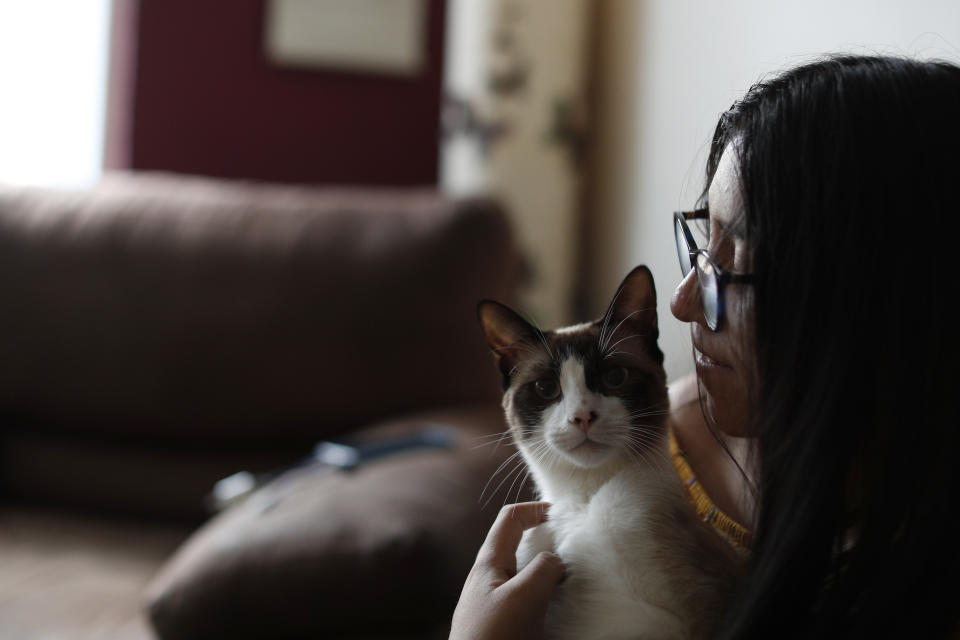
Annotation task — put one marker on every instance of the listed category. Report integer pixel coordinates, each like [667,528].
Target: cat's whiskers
[495,439]
[657,408]
[656,416]
[504,464]
[493,475]
[518,465]
[606,319]
[648,421]
[541,453]
[633,425]
[493,443]
[644,441]
[639,437]
[520,488]
[516,472]
[605,345]
[641,413]
[614,345]
[640,444]
[537,452]
[646,456]
[664,404]
[629,433]
[617,328]
[522,483]
[635,452]
[537,445]
[491,435]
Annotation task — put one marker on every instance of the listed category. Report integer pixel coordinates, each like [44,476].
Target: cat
[587,407]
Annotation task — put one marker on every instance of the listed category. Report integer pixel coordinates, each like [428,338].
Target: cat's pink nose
[583,418]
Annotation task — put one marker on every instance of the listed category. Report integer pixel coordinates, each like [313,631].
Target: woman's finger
[540,578]
[500,548]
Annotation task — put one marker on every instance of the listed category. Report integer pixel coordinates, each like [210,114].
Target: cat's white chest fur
[618,582]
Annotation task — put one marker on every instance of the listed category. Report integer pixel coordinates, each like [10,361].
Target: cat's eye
[547,389]
[614,378]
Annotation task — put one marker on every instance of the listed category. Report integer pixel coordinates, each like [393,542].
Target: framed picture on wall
[378,36]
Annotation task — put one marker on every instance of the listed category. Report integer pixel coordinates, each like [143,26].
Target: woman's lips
[708,362]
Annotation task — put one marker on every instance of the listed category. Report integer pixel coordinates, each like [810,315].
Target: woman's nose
[685,303]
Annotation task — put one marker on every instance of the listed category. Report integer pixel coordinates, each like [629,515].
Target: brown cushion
[185,309]
[385,547]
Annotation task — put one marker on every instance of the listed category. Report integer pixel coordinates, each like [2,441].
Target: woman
[833,203]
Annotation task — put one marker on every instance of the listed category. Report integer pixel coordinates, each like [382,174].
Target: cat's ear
[507,333]
[633,311]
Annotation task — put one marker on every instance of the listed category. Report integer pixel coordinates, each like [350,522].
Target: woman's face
[723,359]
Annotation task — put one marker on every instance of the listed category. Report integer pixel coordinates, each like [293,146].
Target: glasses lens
[683,251]
[709,290]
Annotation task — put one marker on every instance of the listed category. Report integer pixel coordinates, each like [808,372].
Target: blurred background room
[232,230]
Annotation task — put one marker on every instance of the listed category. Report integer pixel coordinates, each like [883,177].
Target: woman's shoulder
[683,392]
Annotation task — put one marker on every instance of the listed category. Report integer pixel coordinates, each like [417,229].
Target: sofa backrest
[190,310]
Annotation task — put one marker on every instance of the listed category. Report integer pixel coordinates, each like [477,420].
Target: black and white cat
[587,407]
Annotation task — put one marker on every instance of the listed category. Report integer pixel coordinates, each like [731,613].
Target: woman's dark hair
[849,168]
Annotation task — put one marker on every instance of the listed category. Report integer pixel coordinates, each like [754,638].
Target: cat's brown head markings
[585,394]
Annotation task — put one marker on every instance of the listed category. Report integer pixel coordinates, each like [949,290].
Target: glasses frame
[722,277]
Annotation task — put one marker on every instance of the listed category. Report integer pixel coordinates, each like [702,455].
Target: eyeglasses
[711,278]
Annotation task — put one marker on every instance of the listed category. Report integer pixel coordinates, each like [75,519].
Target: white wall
[53,68]
[526,168]
[668,68]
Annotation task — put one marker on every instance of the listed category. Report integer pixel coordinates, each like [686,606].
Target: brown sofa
[161,332]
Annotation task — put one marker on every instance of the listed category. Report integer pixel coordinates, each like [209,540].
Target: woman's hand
[497,603]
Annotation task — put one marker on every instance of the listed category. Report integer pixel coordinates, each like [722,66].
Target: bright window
[53,75]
